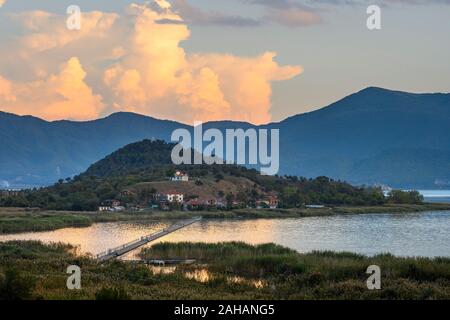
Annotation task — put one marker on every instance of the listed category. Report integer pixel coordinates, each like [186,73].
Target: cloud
[47,31]
[284,12]
[246,82]
[158,77]
[294,17]
[163,4]
[62,95]
[6,93]
[289,13]
[195,15]
[303,13]
[132,63]
[368,2]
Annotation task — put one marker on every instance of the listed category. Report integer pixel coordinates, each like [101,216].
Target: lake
[415,234]
[442,196]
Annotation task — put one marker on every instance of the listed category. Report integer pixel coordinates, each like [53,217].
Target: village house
[170,197]
[270,202]
[193,204]
[204,203]
[273,202]
[180,176]
[110,206]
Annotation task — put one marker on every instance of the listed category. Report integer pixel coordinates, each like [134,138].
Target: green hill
[133,158]
[135,173]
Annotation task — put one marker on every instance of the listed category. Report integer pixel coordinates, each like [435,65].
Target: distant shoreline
[18,220]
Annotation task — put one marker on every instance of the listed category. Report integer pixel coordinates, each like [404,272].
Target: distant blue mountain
[373,136]
[36,152]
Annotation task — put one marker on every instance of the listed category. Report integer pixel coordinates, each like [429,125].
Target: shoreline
[17,220]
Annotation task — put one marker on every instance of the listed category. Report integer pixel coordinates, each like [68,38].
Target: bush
[112,294]
[15,286]
[405,197]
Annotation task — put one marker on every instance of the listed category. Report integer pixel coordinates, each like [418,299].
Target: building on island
[204,203]
[170,197]
[110,206]
[269,202]
[315,206]
[180,176]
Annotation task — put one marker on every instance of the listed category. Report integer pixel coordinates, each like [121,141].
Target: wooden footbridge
[123,249]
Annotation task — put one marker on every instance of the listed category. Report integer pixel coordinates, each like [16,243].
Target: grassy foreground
[15,220]
[31,270]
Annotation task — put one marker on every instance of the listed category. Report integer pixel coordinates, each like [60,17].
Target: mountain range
[375,136]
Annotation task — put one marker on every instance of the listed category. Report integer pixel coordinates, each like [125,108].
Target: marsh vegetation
[31,270]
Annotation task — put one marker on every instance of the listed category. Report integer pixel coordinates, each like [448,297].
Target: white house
[180,176]
[111,209]
[170,197]
[110,206]
[175,197]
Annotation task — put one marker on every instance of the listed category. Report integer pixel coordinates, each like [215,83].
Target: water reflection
[421,234]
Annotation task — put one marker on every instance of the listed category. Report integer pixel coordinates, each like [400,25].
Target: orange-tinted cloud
[133,63]
[158,77]
[246,82]
[62,95]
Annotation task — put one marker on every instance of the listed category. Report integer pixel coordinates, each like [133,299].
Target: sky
[201,60]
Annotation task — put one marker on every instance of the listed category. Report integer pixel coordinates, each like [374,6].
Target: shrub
[405,197]
[112,293]
[15,286]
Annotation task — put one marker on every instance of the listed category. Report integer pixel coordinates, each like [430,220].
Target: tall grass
[280,272]
[276,263]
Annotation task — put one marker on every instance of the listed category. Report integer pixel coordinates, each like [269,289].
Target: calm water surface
[417,234]
[436,195]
